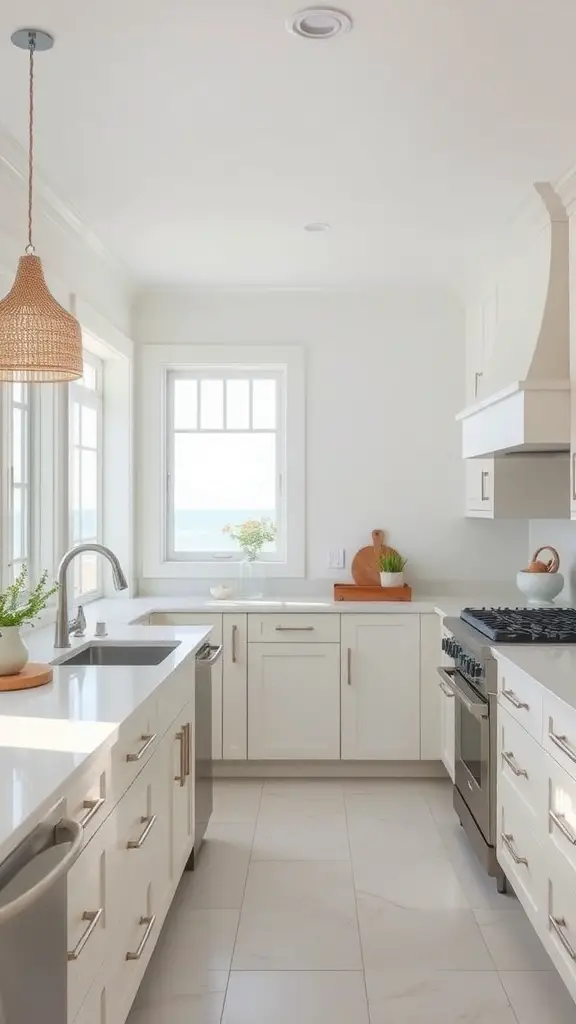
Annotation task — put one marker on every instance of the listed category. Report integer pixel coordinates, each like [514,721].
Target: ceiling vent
[319,23]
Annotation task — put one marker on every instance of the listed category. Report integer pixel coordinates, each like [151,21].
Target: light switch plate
[336,558]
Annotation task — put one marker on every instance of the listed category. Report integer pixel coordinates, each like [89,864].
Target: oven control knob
[477,670]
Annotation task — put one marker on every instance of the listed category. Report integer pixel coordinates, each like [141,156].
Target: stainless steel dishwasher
[33,923]
[206,657]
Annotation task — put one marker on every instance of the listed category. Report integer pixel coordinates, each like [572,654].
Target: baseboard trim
[329,770]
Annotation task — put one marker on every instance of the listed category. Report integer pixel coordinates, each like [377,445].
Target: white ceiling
[197,137]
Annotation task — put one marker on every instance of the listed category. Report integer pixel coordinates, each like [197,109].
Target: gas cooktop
[524,625]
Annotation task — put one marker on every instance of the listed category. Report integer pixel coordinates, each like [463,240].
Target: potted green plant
[20,605]
[392,569]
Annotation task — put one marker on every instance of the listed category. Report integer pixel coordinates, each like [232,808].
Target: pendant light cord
[32,47]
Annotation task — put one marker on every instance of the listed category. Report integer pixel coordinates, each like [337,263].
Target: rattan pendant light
[40,341]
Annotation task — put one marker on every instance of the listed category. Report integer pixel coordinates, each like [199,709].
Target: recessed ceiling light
[317,225]
[319,23]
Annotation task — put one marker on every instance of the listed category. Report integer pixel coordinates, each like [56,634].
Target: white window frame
[27,486]
[159,362]
[94,399]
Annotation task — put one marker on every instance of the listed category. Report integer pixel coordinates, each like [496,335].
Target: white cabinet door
[293,701]
[182,791]
[480,488]
[234,687]
[448,719]
[381,687]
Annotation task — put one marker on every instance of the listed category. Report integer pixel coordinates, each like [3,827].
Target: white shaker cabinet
[380,687]
[293,701]
[235,687]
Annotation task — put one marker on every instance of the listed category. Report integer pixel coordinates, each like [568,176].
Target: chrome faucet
[63,626]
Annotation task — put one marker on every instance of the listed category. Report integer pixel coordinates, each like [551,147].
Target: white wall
[384,379]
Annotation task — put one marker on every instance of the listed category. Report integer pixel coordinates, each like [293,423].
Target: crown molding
[52,206]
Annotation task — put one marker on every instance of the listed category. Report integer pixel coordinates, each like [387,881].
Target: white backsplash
[561,534]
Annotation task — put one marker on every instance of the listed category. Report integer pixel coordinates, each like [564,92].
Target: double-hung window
[85,474]
[225,460]
[17,440]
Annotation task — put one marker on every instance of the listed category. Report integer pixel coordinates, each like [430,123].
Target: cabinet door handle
[149,821]
[477,376]
[349,666]
[149,921]
[187,746]
[562,743]
[485,475]
[148,741]
[294,629]
[508,839]
[180,736]
[445,690]
[234,653]
[91,807]
[558,923]
[560,821]
[93,917]
[573,476]
[508,757]
[511,696]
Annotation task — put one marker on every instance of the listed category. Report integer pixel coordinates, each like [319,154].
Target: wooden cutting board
[33,674]
[365,566]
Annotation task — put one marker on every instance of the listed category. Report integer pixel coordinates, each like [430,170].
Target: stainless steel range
[472,678]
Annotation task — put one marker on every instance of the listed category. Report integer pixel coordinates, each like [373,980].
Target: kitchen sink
[118,654]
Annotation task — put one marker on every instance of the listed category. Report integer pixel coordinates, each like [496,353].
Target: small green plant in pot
[392,569]
[19,606]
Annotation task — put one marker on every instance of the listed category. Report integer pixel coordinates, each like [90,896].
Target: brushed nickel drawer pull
[294,629]
[573,476]
[484,496]
[508,839]
[349,665]
[91,807]
[558,923]
[93,917]
[187,748]
[562,743]
[234,653]
[181,737]
[148,741]
[511,696]
[149,821]
[508,757]
[149,921]
[560,821]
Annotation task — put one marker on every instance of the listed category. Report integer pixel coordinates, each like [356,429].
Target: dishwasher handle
[210,654]
[64,832]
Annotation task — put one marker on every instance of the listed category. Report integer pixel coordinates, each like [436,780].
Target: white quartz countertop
[49,735]
[554,667]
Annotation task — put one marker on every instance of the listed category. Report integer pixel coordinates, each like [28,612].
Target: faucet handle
[78,625]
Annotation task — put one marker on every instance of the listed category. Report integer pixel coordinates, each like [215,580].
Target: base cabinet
[293,702]
[235,688]
[380,687]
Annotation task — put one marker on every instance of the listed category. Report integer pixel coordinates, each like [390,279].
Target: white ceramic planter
[540,587]
[391,579]
[13,651]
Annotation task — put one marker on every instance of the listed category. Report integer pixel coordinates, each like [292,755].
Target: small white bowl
[540,587]
[222,593]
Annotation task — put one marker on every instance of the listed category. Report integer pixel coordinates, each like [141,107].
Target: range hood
[523,402]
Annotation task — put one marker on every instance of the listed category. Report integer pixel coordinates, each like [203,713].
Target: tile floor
[355,902]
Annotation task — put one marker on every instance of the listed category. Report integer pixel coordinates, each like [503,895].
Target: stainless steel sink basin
[118,654]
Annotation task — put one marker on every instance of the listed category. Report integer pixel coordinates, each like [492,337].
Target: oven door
[472,747]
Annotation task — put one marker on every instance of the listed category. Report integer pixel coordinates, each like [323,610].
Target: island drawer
[297,628]
[522,763]
[88,798]
[137,740]
[522,697]
[559,732]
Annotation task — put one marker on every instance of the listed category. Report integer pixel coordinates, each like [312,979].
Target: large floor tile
[478,887]
[220,875]
[285,940]
[373,838]
[284,807]
[236,801]
[193,954]
[539,997]
[310,838]
[394,803]
[394,937]
[419,883]
[439,795]
[286,997]
[205,1009]
[300,886]
[416,996]
[305,789]
[512,941]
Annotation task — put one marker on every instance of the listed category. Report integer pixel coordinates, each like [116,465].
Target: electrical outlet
[336,558]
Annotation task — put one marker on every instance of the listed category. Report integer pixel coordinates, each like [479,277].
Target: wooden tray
[351,592]
[33,674]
